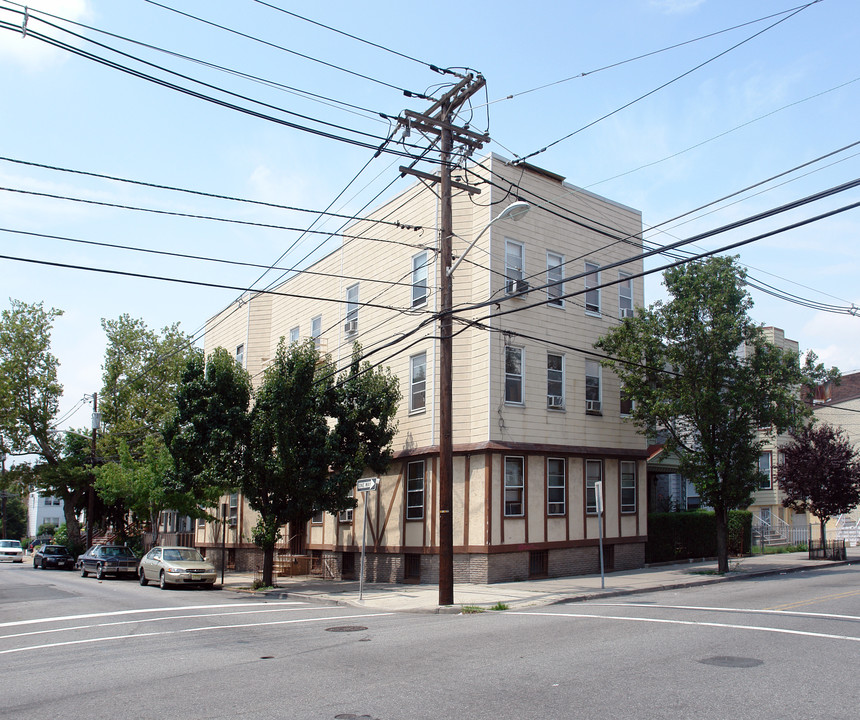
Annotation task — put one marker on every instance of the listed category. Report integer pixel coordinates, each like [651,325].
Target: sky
[663,105]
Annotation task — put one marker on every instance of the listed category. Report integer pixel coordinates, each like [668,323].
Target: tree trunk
[722,520]
[823,524]
[268,565]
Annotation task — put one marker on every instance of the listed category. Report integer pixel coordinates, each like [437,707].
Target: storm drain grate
[346,628]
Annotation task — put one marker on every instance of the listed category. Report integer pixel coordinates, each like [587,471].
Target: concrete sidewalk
[398,597]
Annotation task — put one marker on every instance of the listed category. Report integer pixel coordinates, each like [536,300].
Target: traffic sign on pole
[367,484]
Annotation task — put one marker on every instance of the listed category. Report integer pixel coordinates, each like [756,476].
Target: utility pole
[438,121]
[96,423]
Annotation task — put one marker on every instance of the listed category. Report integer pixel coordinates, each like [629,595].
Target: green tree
[14,515]
[69,478]
[699,370]
[820,473]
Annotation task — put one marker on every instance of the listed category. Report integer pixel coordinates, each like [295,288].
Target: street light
[514,211]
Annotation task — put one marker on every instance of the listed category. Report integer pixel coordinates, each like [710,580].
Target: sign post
[365,485]
[598,492]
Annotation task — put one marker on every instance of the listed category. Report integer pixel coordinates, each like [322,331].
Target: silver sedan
[175,566]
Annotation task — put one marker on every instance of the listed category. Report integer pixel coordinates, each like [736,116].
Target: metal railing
[777,531]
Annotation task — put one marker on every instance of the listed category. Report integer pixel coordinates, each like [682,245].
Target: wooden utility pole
[90,492]
[439,121]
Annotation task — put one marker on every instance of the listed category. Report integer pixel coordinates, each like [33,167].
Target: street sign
[366,484]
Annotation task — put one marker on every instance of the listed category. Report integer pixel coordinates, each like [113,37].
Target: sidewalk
[398,597]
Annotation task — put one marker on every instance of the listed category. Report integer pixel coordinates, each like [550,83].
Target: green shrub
[684,535]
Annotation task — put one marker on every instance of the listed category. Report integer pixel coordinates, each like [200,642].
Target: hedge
[683,535]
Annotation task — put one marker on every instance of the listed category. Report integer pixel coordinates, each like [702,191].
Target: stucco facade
[536,421]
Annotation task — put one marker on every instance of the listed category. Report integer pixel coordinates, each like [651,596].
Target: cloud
[835,339]
[27,51]
[675,7]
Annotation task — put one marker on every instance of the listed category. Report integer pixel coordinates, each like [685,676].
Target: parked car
[105,560]
[53,556]
[11,550]
[175,566]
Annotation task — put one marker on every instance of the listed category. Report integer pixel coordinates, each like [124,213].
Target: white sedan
[11,550]
[175,566]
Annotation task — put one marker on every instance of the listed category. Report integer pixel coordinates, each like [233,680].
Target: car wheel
[100,573]
[83,571]
[42,564]
[162,581]
[142,578]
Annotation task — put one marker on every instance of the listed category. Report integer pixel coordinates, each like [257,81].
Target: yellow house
[536,421]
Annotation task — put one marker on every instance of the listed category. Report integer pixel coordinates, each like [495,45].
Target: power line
[664,85]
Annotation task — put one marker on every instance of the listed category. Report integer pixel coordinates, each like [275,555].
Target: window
[555,486]
[592,292]
[555,381]
[514,267]
[49,501]
[513,374]
[201,522]
[55,501]
[418,382]
[627,403]
[764,468]
[345,516]
[593,474]
[351,325]
[234,508]
[625,295]
[554,275]
[294,335]
[415,490]
[317,518]
[316,331]
[419,279]
[240,355]
[628,486]
[514,486]
[592,387]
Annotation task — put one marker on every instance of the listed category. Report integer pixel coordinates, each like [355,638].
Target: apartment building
[537,422]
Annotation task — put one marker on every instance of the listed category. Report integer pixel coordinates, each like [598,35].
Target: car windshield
[118,552]
[55,550]
[10,543]
[175,554]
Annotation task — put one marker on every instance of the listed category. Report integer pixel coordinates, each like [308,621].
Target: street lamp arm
[514,211]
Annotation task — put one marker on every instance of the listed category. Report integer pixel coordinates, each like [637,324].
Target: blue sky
[753,110]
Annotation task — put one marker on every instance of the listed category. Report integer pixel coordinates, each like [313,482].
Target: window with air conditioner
[514,264]
[554,279]
[592,291]
[625,295]
[350,327]
[555,381]
[592,387]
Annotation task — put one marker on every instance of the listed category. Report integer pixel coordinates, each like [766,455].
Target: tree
[699,370]
[820,473]
[69,478]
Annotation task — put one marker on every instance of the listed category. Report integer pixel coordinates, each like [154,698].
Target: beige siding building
[536,420]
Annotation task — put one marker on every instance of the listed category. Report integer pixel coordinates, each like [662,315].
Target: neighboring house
[43,509]
[537,421]
[668,490]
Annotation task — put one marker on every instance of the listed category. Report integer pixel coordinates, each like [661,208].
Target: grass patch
[258,585]
[471,609]
[499,606]
[779,549]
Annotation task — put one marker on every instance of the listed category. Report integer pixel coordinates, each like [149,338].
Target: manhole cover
[346,628]
[732,662]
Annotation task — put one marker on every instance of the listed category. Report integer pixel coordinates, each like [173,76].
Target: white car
[11,550]
[175,566]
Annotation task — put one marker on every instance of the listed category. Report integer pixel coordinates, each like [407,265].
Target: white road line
[159,619]
[829,616]
[661,621]
[187,630]
[115,613]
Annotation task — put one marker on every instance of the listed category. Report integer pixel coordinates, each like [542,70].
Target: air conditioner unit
[554,401]
[350,327]
[592,405]
[231,521]
[515,287]
[627,312]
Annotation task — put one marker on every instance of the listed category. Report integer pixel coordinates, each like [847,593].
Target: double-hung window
[513,375]
[514,273]
[418,382]
[593,475]
[592,386]
[316,331]
[628,486]
[554,277]
[592,291]
[765,483]
[514,486]
[555,486]
[555,381]
[419,279]
[625,295]
[294,335]
[626,404]
[240,355]
[345,516]
[415,490]
[351,325]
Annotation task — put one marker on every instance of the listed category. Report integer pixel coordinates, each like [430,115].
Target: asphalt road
[778,647]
